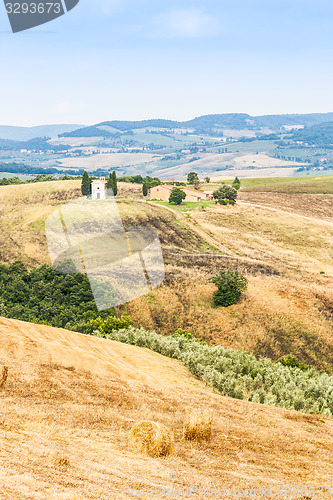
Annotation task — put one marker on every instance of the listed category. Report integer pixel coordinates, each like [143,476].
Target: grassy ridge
[294,185]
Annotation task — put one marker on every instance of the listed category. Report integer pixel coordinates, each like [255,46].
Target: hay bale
[198,425]
[151,438]
[60,461]
[3,376]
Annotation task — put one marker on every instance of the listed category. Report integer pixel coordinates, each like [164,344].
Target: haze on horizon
[139,59]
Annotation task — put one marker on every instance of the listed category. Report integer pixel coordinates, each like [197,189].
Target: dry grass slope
[25,208]
[198,426]
[70,402]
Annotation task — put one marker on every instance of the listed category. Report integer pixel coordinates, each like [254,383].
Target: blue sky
[135,59]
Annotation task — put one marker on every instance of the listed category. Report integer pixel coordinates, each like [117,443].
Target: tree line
[112,182]
[47,296]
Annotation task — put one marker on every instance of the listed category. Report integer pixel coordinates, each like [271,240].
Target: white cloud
[185,23]
[65,107]
[107,7]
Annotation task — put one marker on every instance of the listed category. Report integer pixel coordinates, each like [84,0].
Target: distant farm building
[98,189]
[163,192]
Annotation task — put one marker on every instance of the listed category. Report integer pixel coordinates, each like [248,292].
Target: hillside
[283,243]
[70,401]
[318,135]
[24,209]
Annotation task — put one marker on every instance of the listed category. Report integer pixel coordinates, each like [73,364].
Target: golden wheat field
[70,403]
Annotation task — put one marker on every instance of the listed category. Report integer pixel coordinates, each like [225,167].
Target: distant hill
[109,129]
[28,133]
[317,135]
[37,143]
[203,124]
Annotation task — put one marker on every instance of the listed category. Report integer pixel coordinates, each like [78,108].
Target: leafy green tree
[191,177]
[144,189]
[207,180]
[236,184]
[177,196]
[86,184]
[225,192]
[197,185]
[230,286]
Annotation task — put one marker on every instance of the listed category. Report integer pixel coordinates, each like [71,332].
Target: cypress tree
[109,183]
[144,189]
[86,184]
[236,184]
[115,183]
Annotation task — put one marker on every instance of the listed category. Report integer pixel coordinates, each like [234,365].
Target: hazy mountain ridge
[206,123]
[27,133]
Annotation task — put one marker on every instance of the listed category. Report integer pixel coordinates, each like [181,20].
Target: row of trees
[238,374]
[138,179]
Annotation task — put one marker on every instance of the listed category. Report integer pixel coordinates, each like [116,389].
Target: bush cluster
[44,295]
[225,195]
[239,374]
[230,286]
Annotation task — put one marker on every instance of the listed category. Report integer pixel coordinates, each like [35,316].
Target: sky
[175,59]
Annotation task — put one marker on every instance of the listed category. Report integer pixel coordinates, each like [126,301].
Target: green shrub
[230,286]
[293,362]
[109,324]
[187,335]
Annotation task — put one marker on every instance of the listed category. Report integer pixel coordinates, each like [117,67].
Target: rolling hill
[70,401]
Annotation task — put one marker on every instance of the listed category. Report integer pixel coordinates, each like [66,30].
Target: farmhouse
[98,189]
[163,193]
